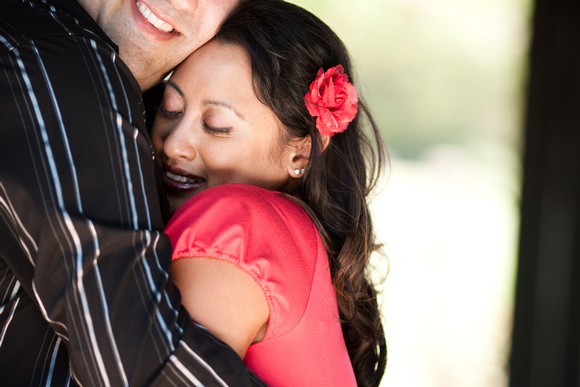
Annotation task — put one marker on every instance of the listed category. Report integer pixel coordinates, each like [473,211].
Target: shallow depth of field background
[445,80]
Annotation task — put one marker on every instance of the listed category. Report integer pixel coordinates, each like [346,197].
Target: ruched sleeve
[266,235]
[272,239]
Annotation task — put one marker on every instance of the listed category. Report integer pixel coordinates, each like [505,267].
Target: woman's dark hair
[287,46]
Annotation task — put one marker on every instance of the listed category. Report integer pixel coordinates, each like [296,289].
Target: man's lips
[178,180]
[152,19]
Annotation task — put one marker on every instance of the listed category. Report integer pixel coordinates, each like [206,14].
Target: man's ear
[299,156]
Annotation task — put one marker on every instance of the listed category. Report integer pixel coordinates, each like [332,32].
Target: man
[84,293]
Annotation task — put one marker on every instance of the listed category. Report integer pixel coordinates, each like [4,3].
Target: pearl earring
[298,171]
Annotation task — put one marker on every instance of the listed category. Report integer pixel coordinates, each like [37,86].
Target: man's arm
[77,193]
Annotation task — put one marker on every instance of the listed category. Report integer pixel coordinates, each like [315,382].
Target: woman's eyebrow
[227,106]
[174,86]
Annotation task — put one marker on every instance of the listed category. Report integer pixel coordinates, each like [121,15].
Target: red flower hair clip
[333,100]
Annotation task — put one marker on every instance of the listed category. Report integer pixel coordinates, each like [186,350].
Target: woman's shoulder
[239,193]
[262,232]
[238,214]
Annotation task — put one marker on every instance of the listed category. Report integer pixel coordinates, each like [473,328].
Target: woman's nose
[179,144]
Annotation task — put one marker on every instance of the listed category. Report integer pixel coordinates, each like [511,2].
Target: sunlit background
[445,80]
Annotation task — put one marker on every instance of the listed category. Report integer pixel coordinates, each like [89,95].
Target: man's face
[155,35]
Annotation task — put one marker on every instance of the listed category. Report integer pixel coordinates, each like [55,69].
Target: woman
[265,162]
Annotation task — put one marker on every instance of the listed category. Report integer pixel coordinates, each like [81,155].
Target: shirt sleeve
[80,219]
[264,234]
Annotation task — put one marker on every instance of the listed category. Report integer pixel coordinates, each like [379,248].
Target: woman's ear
[324,143]
[299,156]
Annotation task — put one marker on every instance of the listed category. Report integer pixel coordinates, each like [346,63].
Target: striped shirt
[84,291]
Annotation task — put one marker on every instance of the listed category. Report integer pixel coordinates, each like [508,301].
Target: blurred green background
[446,82]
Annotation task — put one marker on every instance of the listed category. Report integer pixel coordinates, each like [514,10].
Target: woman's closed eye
[216,130]
[163,112]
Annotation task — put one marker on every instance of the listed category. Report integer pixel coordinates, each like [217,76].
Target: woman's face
[211,129]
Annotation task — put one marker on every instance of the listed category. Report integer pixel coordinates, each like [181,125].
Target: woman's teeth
[180,179]
[154,20]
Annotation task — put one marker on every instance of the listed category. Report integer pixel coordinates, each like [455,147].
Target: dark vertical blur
[546,337]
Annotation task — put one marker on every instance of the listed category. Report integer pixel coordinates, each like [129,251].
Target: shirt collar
[73,8]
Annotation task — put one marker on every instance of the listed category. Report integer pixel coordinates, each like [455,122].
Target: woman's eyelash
[175,114]
[168,113]
[214,130]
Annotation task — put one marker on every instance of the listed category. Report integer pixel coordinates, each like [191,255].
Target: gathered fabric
[273,240]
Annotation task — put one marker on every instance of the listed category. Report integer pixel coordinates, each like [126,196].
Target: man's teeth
[180,179]
[151,18]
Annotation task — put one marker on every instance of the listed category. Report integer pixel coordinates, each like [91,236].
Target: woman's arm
[224,299]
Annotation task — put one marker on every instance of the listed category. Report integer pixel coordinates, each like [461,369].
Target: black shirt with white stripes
[84,292]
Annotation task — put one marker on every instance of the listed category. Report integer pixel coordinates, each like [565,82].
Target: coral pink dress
[273,240]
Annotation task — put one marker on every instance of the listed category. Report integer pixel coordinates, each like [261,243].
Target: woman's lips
[177,180]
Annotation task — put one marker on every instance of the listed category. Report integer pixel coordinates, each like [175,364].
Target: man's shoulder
[23,21]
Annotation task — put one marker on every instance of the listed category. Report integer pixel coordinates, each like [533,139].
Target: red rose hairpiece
[333,100]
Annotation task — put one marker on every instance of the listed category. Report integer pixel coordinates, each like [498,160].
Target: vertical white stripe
[105,74]
[61,127]
[119,122]
[143,191]
[135,136]
[42,127]
[127,172]
[8,321]
[105,306]
[203,363]
[185,371]
[49,155]
[127,104]
[53,362]
[68,222]
[15,290]
[85,308]
[165,295]
[9,46]
[156,291]
[157,294]
[56,19]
